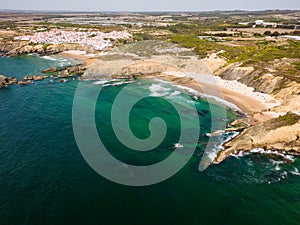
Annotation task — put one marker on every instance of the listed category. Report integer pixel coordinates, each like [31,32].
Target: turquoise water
[45,180]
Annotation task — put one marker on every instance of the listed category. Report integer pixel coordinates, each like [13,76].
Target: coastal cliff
[271,127]
[277,129]
[280,134]
[15,48]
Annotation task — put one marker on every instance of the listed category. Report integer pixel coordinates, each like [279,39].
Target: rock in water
[5,81]
[50,70]
[2,84]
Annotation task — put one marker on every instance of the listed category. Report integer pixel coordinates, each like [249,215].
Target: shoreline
[251,103]
[80,56]
[254,108]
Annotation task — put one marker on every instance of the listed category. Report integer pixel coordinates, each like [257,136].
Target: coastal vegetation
[286,120]
[259,54]
[247,51]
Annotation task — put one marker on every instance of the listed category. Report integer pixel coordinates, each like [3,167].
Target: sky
[148,5]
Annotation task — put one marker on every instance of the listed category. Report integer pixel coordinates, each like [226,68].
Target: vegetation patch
[287,120]
[297,65]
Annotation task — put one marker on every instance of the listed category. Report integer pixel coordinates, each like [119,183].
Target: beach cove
[47,164]
[181,67]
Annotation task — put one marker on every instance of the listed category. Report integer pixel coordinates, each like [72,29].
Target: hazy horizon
[154,5]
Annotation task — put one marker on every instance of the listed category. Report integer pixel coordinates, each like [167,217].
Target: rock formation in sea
[67,71]
[6,81]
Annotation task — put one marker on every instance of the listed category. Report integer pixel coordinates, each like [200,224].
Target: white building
[265,24]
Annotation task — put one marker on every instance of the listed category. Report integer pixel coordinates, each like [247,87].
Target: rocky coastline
[15,48]
[273,127]
[18,48]
[274,98]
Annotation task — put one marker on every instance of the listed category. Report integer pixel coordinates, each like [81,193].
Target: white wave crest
[157,90]
[217,99]
[284,156]
[101,82]
[49,58]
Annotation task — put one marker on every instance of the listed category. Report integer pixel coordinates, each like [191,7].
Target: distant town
[96,40]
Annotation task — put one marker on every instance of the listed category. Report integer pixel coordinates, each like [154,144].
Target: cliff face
[281,88]
[6,46]
[261,82]
[14,48]
[281,134]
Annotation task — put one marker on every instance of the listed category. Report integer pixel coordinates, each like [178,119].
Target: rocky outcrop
[2,84]
[50,70]
[146,68]
[142,66]
[14,48]
[265,83]
[237,73]
[23,83]
[66,71]
[35,78]
[280,134]
[261,82]
[237,126]
[7,46]
[6,81]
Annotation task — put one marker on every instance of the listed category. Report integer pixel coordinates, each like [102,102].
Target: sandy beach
[80,56]
[254,104]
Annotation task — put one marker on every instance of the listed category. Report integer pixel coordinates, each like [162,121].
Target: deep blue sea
[44,178]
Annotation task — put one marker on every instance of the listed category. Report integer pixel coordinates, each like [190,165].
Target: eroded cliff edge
[281,134]
[280,129]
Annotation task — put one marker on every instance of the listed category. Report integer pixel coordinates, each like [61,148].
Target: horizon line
[146,11]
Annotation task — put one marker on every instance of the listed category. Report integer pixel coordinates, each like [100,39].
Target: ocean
[44,178]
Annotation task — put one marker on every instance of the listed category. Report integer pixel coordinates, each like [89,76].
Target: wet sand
[246,104]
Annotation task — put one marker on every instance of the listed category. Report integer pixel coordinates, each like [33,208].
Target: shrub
[296,65]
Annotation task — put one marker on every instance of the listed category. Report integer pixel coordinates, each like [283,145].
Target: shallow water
[45,180]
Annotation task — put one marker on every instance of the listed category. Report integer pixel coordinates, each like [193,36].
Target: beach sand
[255,105]
[247,105]
[80,56]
